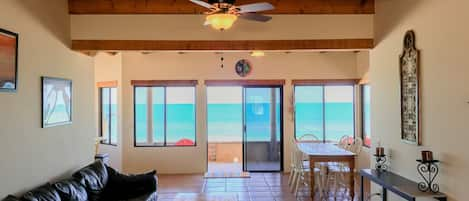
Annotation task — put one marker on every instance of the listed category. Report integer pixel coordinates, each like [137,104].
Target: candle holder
[381,162]
[428,170]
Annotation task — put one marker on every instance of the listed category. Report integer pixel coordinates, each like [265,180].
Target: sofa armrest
[129,186]
[140,184]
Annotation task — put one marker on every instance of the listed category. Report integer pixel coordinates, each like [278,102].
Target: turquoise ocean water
[224,121]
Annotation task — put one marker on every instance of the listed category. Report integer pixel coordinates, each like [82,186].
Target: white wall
[363,67]
[108,67]
[202,66]
[443,39]
[30,155]
[190,27]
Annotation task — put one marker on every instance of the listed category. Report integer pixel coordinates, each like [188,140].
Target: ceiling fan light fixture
[257,53]
[221,21]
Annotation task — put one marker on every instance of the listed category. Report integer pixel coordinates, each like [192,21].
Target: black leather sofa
[96,182]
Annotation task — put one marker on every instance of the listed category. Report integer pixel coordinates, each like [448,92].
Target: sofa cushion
[122,187]
[94,177]
[11,198]
[43,193]
[71,190]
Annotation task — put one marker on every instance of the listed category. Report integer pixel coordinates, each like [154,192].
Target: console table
[399,185]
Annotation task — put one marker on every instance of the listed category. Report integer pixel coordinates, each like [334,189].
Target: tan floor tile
[260,187]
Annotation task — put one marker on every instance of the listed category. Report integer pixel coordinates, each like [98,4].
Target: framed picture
[410,91]
[56,102]
[8,60]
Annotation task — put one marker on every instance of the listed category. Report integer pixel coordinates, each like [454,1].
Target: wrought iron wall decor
[410,91]
[428,170]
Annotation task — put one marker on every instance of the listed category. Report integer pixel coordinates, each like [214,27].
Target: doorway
[244,127]
[225,129]
[263,126]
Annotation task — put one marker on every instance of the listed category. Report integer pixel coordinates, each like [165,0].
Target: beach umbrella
[184,142]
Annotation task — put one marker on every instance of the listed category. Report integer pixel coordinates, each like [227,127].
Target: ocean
[225,121]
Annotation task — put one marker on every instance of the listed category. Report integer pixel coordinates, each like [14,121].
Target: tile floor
[260,187]
[238,167]
[224,167]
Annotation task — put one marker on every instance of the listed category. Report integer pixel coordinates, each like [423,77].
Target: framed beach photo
[8,61]
[56,102]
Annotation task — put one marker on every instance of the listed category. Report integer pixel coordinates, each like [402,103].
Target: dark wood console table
[399,185]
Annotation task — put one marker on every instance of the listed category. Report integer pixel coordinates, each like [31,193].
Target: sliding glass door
[262,139]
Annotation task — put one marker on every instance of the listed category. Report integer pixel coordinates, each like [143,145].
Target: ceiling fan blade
[202,3]
[255,17]
[255,7]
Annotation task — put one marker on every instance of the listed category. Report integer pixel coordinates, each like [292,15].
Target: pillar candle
[427,156]
[380,151]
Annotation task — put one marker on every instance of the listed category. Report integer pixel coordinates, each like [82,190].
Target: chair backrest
[299,155]
[344,142]
[293,152]
[356,146]
[309,138]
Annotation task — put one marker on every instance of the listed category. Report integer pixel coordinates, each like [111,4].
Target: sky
[333,94]
[233,95]
[174,95]
[225,95]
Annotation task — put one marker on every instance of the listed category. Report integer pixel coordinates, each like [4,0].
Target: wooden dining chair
[309,138]
[292,163]
[303,175]
[339,171]
[344,142]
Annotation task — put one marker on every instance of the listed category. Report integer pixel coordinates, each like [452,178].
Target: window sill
[163,146]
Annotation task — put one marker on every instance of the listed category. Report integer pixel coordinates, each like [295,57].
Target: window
[164,116]
[366,114]
[108,115]
[324,111]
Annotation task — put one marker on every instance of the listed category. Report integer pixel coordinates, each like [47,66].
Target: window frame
[362,114]
[164,84]
[101,134]
[323,84]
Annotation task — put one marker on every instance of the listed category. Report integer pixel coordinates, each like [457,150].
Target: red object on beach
[184,142]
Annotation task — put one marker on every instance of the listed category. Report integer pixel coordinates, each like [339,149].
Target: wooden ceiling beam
[203,45]
[242,82]
[186,7]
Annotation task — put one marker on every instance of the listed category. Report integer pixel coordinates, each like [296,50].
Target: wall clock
[243,67]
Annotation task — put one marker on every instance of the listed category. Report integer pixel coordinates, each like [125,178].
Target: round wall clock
[243,67]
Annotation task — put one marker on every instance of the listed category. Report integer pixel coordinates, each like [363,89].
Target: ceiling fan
[223,13]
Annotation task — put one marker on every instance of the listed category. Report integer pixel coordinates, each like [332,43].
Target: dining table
[327,152]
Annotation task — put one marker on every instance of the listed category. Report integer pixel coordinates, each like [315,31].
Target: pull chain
[222,62]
